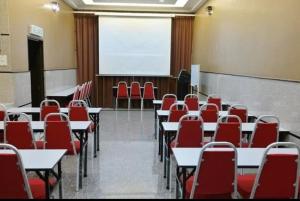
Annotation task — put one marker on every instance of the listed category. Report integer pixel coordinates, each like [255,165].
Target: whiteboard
[195,75]
[137,46]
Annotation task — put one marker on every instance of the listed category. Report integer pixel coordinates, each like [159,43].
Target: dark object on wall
[183,84]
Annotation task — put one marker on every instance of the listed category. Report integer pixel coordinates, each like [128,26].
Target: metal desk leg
[98,131]
[60,181]
[86,153]
[80,160]
[47,184]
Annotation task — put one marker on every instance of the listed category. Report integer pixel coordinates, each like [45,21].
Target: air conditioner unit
[36,31]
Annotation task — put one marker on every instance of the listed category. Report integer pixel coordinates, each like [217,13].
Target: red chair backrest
[76,93]
[216,101]
[175,113]
[264,135]
[190,133]
[167,102]
[19,134]
[216,175]
[122,90]
[47,109]
[228,132]
[277,178]
[242,113]
[13,182]
[135,89]
[209,116]
[149,91]
[2,115]
[58,135]
[192,103]
[78,113]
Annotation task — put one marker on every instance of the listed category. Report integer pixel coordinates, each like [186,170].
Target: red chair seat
[37,187]
[77,148]
[245,184]
[39,144]
[189,185]
[245,145]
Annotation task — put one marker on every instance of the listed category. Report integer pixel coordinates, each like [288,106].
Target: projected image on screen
[134,46]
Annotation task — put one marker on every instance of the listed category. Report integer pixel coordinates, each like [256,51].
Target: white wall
[261,96]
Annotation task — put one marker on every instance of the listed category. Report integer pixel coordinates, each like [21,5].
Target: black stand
[183,84]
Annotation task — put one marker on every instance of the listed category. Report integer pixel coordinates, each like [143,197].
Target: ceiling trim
[191,7]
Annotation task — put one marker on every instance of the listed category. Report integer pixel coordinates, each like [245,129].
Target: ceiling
[168,6]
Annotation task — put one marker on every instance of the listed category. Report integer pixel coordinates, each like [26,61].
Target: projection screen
[134,46]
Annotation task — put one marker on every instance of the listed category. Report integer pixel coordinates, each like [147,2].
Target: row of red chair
[191,100]
[216,175]
[190,131]
[135,93]
[83,92]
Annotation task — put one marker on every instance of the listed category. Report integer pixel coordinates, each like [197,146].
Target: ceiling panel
[138,1]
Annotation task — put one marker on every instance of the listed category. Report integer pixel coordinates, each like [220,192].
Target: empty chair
[277,176]
[83,91]
[58,135]
[266,132]
[215,100]
[135,93]
[216,173]
[122,93]
[239,110]
[2,118]
[192,101]
[76,93]
[89,93]
[47,107]
[148,92]
[189,133]
[167,101]
[19,132]
[14,183]
[209,113]
[229,131]
[176,112]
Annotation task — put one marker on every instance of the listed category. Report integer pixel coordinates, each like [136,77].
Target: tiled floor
[128,165]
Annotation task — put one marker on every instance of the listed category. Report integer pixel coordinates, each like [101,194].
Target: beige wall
[59,33]
[249,37]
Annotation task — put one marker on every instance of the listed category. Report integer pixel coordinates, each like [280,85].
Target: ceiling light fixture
[55,6]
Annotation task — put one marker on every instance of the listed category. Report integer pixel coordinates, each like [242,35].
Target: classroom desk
[170,129]
[80,130]
[188,158]
[93,112]
[63,97]
[43,161]
[115,89]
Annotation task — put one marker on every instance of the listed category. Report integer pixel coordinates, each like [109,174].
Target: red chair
[3,114]
[266,132]
[58,135]
[47,107]
[122,93]
[83,91]
[135,93]
[148,92]
[215,100]
[167,101]
[175,113]
[277,177]
[89,93]
[189,133]
[229,131]
[239,110]
[19,132]
[76,93]
[216,173]
[14,183]
[192,101]
[209,113]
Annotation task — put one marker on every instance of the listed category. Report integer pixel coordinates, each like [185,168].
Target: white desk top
[181,102]
[246,127]
[63,93]
[247,157]
[37,110]
[40,159]
[39,125]
[167,112]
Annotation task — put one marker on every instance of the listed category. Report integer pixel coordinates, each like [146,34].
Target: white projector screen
[130,46]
